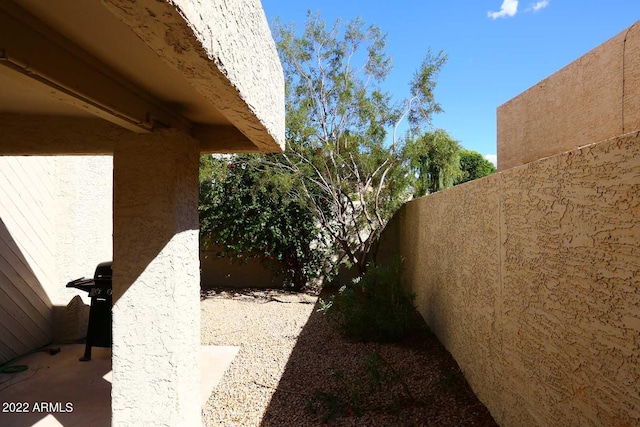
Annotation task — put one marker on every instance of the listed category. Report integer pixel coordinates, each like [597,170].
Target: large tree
[473,166]
[351,175]
[345,170]
[434,158]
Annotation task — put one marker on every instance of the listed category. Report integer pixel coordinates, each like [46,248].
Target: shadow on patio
[80,392]
[53,382]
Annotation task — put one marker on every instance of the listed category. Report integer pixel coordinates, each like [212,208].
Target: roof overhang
[207,68]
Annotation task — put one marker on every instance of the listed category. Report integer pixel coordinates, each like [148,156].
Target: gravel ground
[293,369]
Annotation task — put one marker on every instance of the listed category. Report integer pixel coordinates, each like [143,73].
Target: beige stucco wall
[156,286]
[225,51]
[223,272]
[531,279]
[594,98]
[83,220]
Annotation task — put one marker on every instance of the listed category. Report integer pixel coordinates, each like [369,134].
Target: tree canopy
[346,169]
[473,166]
[338,119]
[435,159]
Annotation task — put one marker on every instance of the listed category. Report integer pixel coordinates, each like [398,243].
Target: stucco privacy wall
[531,279]
[594,98]
[223,272]
[56,226]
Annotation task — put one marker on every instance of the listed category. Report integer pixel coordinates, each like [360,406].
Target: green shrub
[374,307]
[248,215]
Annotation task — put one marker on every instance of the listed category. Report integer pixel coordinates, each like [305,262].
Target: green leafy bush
[374,307]
[247,214]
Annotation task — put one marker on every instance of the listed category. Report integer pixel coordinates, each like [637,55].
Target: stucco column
[156,309]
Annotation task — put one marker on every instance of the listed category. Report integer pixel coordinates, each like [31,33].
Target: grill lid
[99,285]
[103,271]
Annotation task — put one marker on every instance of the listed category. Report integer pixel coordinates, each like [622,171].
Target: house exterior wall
[531,279]
[26,254]
[226,52]
[55,226]
[156,286]
[594,98]
[83,220]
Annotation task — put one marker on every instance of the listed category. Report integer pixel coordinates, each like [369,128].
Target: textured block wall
[594,98]
[531,279]
[223,272]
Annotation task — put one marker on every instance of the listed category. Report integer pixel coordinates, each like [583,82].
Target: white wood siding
[26,253]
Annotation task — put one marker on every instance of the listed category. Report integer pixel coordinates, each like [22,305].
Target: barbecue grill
[99,289]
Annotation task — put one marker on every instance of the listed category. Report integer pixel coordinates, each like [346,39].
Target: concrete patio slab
[214,361]
[60,391]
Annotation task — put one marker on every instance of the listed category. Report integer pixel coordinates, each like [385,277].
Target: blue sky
[496,48]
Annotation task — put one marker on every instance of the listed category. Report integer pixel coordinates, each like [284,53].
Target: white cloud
[508,8]
[535,7]
[492,158]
